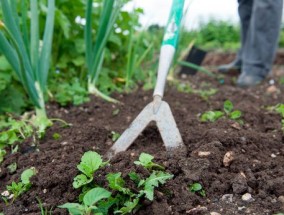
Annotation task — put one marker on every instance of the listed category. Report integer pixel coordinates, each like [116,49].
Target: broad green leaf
[195,187]
[73,208]
[235,114]
[90,162]
[27,174]
[95,195]
[81,180]
[228,106]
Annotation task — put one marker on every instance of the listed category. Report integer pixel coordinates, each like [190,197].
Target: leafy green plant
[90,202]
[23,186]
[228,111]
[280,109]
[197,188]
[120,199]
[28,58]
[145,160]
[90,163]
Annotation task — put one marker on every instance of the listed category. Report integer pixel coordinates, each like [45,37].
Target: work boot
[234,66]
[249,80]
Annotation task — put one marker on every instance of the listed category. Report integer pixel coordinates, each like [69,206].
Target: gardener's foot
[248,80]
[231,68]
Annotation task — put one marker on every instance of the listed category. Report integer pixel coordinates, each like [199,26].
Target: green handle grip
[172,30]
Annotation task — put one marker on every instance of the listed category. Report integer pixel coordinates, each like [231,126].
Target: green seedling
[21,187]
[2,154]
[115,112]
[12,167]
[145,160]
[197,188]
[211,116]
[90,203]
[43,211]
[228,111]
[115,136]
[149,184]
[232,114]
[119,198]
[90,163]
[280,109]
[56,136]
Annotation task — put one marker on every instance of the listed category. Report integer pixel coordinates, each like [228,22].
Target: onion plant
[28,55]
[95,50]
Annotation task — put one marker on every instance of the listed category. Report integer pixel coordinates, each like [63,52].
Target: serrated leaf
[81,180]
[95,195]
[90,162]
[73,208]
[153,181]
[116,182]
[128,207]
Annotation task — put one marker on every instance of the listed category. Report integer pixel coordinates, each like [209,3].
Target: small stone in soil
[227,198]
[247,197]
[241,208]
[273,155]
[197,210]
[228,158]
[214,213]
[203,154]
[281,199]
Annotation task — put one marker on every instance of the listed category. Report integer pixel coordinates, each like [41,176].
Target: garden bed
[257,145]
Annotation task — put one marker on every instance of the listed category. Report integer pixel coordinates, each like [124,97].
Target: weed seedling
[197,188]
[280,109]
[56,136]
[145,160]
[90,163]
[115,136]
[228,111]
[19,188]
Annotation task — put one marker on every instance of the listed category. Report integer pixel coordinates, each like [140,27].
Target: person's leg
[244,10]
[245,13]
[261,41]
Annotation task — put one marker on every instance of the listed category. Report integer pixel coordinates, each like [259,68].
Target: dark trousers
[260,28]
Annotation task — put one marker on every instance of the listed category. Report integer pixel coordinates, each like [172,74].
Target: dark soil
[257,146]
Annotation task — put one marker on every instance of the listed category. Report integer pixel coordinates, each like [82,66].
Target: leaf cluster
[21,187]
[118,198]
[228,112]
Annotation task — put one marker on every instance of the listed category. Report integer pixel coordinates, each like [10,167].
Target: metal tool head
[158,111]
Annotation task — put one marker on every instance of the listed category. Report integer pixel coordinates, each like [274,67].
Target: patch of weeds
[197,188]
[56,136]
[228,111]
[16,189]
[117,198]
[115,136]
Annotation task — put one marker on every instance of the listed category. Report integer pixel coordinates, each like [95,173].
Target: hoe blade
[165,123]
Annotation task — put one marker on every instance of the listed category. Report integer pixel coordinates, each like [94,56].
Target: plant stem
[94,90]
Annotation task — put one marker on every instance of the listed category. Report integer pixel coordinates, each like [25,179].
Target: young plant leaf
[90,162]
[153,181]
[73,208]
[81,180]
[27,174]
[145,160]
[128,207]
[116,182]
[228,106]
[211,116]
[195,187]
[235,114]
[134,177]
[95,195]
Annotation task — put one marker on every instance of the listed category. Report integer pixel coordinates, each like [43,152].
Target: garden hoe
[158,110]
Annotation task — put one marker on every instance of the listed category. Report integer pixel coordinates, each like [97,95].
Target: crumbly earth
[257,148]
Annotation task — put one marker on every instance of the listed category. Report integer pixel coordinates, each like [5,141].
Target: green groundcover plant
[118,196]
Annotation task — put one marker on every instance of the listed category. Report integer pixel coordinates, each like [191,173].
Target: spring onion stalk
[22,49]
[95,51]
